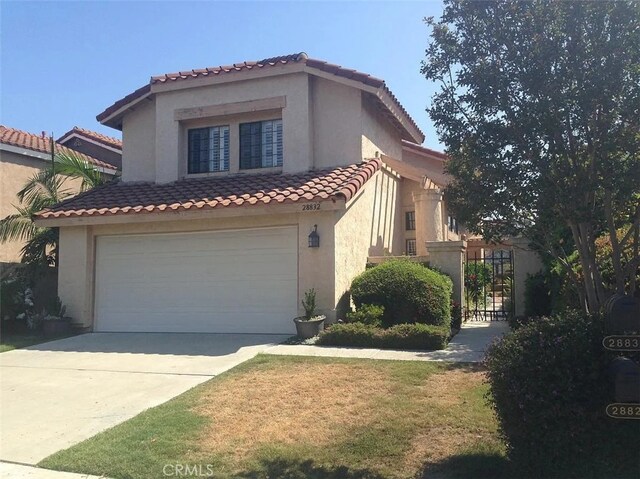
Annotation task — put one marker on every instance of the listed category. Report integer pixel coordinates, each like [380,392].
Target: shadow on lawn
[296,469]
[477,465]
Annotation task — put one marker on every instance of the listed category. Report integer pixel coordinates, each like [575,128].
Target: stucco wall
[171,149]
[336,123]
[315,264]
[378,135]
[15,170]
[368,227]
[139,143]
[325,124]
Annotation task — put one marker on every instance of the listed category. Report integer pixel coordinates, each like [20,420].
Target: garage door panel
[240,281]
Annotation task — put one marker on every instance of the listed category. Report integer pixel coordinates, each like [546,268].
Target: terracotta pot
[307,329]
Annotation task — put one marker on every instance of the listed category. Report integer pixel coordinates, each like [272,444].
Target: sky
[62,63]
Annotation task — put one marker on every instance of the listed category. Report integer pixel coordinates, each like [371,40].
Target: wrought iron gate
[488,285]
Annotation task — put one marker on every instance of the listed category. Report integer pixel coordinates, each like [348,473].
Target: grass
[10,341]
[295,417]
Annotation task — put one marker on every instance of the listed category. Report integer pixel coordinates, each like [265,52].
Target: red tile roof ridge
[42,144]
[94,135]
[219,191]
[301,57]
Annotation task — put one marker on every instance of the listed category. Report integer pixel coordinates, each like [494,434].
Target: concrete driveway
[59,393]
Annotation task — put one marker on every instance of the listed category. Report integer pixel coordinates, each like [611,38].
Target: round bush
[549,388]
[409,293]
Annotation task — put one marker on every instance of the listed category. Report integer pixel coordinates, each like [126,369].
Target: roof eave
[336,202]
[112,116]
[21,150]
[76,134]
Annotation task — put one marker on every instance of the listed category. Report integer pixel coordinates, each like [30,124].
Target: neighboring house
[94,144]
[22,154]
[228,175]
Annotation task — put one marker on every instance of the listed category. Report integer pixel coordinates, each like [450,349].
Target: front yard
[296,417]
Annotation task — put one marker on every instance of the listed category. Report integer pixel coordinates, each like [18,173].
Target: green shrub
[400,336]
[549,388]
[537,295]
[370,314]
[348,334]
[414,336]
[409,293]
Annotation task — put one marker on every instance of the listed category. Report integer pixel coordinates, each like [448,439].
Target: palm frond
[45,187]
[42,248]
[17,227]
[73,165]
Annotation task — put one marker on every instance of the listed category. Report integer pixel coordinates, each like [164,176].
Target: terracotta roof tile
[30,141]
[94,135]
[216,192]
[267,62]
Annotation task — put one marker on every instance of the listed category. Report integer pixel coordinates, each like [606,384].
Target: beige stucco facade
[349,233]
[327,123]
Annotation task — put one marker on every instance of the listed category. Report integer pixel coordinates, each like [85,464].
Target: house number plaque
[311,207]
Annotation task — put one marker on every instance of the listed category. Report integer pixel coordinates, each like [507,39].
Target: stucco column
[429,223]
[525,262]
[448,257]
[75,273]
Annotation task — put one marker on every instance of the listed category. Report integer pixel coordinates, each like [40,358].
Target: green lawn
[295,417]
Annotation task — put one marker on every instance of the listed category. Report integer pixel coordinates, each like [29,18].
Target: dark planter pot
[56,327]
[307,329]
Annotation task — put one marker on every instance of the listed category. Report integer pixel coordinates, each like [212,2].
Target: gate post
[525,262]
[448,257]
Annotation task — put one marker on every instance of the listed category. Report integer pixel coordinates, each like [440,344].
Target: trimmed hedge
[409,293]
[370,314]
[400,336]
[549,388]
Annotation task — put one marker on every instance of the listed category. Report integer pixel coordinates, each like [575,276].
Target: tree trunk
[594,292]
[616,249]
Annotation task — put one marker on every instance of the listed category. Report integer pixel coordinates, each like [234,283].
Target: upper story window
[261,144]
[209,149]
[410,220]
[453,224]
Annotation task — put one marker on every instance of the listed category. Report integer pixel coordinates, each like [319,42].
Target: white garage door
[241,281]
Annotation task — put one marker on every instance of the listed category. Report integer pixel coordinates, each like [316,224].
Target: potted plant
[56,323]
[310,324]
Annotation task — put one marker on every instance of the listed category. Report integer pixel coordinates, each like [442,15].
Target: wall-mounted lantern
[314,238]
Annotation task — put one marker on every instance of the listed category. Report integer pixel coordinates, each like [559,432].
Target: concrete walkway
[467,346]
[54,395]
[15,471]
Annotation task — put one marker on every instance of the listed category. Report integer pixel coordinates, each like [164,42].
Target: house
[244,186]
[22,154]
[94,144]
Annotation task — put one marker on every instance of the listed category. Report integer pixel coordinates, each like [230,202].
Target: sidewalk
[13,471]
[467,346]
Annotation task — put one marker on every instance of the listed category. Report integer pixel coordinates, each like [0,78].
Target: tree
[44,189]
[539,109]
